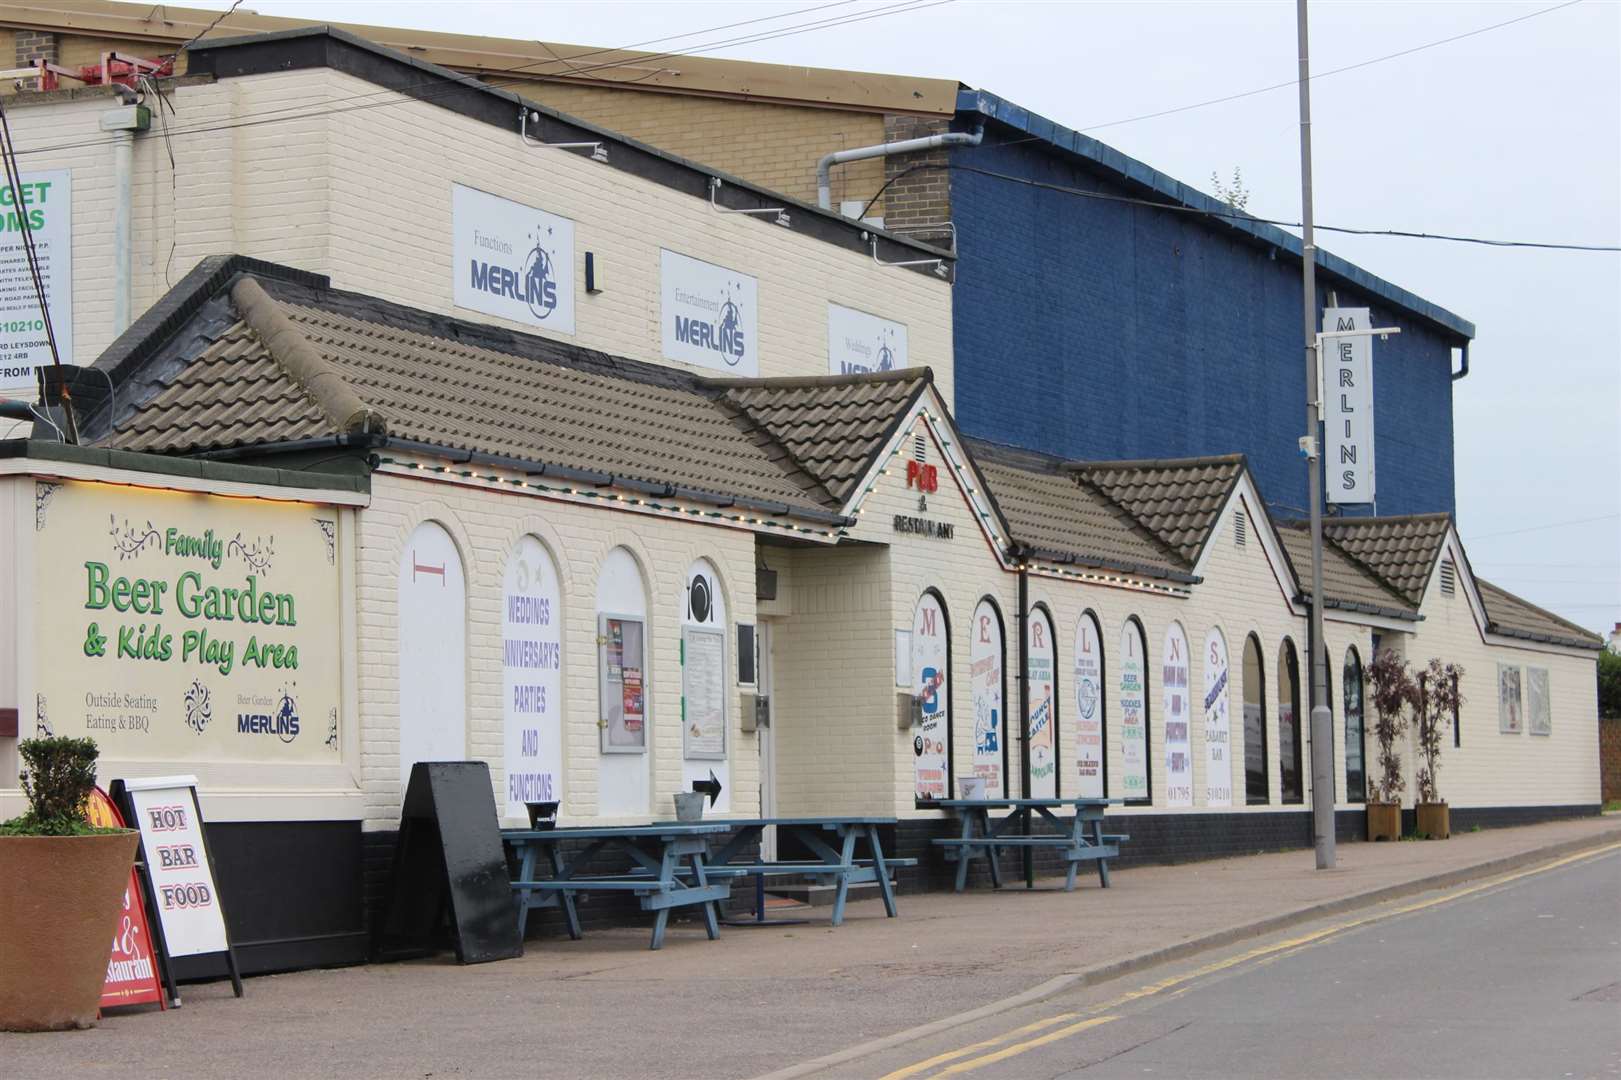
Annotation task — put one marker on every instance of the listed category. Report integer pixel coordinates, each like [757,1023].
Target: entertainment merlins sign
[860,344]
[512,260]
[710,315]
[176,627]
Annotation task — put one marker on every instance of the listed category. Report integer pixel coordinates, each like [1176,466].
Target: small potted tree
[1438,701]
[61,888]
[1394,691]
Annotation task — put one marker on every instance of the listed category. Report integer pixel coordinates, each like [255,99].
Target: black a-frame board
[449,864]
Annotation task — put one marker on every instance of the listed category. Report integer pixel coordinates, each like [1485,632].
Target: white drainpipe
[123,123]
[824,186]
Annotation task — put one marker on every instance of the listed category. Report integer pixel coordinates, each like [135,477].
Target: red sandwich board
[132,972]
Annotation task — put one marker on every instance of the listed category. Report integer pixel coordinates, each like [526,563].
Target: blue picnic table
[1080,838]
[657,876]
[832,844]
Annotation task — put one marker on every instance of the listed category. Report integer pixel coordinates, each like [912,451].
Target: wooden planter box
[1434,820]
[1384,821]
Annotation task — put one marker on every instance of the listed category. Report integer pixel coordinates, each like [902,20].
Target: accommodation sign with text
[187,627]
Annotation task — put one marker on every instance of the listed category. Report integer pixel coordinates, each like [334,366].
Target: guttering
[1464,369]
[1065,558]
[824,182]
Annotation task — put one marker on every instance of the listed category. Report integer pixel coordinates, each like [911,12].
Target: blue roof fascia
[982,103]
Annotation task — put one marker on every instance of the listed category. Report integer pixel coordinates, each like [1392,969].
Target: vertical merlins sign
[532,673]
[1133,721]
[710,315]
[1041,668]
[511,260]
[1089,708]
[45,201]
[931,683]
[1218,763]
[1347,407]
[986,657]
[1178,742]
[860,344]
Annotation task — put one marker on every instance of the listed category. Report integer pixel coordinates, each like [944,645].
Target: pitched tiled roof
[1346,584]
[1401,550]
[833,426]
[1178,500]
[1510,616]
[291,361]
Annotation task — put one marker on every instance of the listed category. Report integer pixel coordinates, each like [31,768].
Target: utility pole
[1322,722]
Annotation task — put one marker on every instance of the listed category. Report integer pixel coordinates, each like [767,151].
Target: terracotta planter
[1434,820]
[59,902]
[1384,821]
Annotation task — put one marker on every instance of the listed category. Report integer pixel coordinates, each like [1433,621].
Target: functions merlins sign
[860,344]
[183,627]
[710,315]
[511,260]
[1348,406]
[45,199]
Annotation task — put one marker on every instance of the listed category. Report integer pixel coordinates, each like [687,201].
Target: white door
[768,756]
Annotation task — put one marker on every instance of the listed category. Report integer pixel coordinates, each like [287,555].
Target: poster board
[180,882]
[703,694]
[133,966]
[1538,703]
[1041,660]
[1178,740]
[1510,704]
[987,666]
[931,684]
[1218,763]
[621,645]
[1130,664]
[1089,709]
[531,679]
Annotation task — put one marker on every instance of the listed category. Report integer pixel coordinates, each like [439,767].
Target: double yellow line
[962,1060]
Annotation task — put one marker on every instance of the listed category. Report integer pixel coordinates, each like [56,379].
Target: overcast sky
[1514,133]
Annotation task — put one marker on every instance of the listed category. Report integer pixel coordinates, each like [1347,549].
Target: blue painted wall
[1101,330]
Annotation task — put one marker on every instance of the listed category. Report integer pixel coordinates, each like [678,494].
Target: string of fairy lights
[1004,547]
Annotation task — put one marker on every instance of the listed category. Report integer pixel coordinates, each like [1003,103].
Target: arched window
[433,650]
[1218,762]
[1175,694]
[532,677]
[1256,789]
[1041,660]
[987,662]
[705,719]
[931,682]
[624,691]
[1131,666]
[1091,712]
[1355,738]
[1290,780]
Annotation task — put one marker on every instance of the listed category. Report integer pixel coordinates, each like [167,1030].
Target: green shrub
[58,776]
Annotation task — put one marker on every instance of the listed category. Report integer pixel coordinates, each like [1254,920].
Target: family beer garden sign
[176,627]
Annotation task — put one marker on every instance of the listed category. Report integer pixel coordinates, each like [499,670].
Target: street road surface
[1515,977]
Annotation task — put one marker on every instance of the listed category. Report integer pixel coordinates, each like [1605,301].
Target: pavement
[790,1000]
[1518,975]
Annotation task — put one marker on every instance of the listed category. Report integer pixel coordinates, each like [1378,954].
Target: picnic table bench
[1080,838]
[657,878]
[835,861]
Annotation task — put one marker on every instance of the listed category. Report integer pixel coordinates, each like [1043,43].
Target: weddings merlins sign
[187,627]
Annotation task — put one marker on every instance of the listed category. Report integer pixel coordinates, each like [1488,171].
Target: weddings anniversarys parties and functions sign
[1538,705]
[532,673]
[860,344]
[1042,661]
[1348,407]
[1178,749]
[986,660]
[931,762]
[511,260]
[187,627]
[132,970]
[1089,708]
[710,315]
[46,200]
[1133,714]
[1510,703]
[1218,763]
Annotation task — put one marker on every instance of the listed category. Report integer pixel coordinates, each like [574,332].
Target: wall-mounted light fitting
[599,151]
[714,189]
[940,268]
